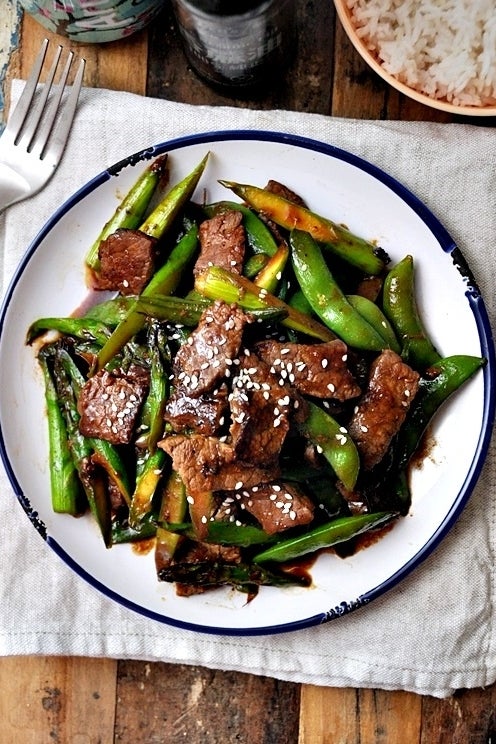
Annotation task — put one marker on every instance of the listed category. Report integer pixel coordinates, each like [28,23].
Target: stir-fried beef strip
[383,407]
[208,354]
[207,464]
[127,261]
[260,413]
[109,403]
[204,415]
[278,506]
[319,370]
[222,242]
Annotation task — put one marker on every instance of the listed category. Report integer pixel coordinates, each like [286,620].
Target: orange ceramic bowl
[441,104]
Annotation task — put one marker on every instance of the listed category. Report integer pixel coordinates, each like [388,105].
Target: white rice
[445,49]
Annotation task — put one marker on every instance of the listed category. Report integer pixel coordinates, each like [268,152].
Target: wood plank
[112,65]
[328,715]
[468,717]
[46,700]
[348,716]
[168,703]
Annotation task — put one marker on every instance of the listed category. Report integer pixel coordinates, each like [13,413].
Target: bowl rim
[436,103]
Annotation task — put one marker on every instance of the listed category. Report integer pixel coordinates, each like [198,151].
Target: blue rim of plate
[474,299]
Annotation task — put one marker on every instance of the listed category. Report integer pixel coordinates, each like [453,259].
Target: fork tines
[36,127]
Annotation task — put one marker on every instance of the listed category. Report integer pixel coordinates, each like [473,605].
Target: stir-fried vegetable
[249,405]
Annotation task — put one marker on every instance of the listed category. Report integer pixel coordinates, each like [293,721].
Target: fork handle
[13,187]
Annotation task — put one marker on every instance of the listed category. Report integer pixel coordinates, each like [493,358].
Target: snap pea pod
[131,210]
[326,297]
[173,508]
[64,481]
[162,217]
[444,378]
[163,282]
[254,264]
[353,249]
[220,284]
[224,533]
[400,306]
[334,442]
[258,236]
[324,536]
[86,329]
[373,314]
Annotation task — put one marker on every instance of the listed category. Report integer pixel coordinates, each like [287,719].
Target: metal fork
[34,138]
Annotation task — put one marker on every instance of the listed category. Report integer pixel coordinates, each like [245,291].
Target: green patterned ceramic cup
[93,21]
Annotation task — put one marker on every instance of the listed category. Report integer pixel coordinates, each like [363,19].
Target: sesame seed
[190,499]
[238,485]
[324,363]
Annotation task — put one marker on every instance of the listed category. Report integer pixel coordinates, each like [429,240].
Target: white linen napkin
[433,633]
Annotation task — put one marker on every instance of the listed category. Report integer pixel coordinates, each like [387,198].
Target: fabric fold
[433,633]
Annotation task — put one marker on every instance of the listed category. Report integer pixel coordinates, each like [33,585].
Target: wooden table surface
[48,700]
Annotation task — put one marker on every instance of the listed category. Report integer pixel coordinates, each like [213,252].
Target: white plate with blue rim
[348,190]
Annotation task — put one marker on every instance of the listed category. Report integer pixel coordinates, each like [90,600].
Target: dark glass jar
[237,43]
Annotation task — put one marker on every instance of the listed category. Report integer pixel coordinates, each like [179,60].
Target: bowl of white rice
[441,53]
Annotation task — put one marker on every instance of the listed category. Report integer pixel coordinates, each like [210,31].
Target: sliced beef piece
[206,357]
[382,409]
[222,242]
[260,413]
[317,369]
[127,261]
[207,464]
[278,506]
[204,415]
[275,187]
[110,402]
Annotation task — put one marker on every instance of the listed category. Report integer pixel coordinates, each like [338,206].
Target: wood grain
[107,66]
[197,705]
[57,700]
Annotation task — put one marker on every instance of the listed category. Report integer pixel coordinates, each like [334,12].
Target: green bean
[326,297]
[400,306]
[356,251]
[324,536]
